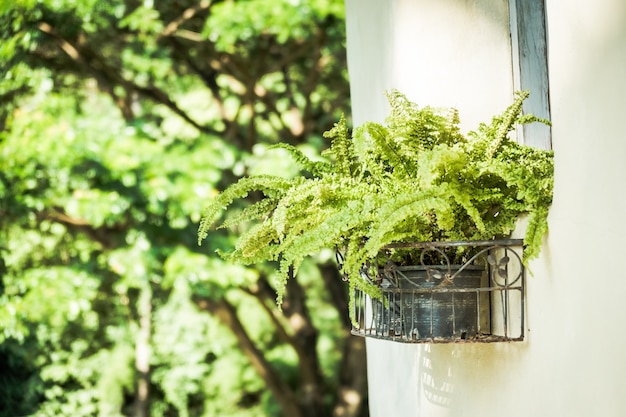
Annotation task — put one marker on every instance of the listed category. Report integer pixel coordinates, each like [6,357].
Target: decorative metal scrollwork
[480,299]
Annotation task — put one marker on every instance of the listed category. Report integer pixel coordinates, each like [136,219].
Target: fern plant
[413,178]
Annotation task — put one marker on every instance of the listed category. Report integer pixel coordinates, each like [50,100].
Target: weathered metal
[478,300]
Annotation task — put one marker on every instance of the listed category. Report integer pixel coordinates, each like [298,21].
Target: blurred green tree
[119,119]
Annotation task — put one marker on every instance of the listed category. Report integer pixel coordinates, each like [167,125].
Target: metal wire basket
[438,300]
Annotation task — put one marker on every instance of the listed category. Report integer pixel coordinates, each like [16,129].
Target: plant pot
[430,302]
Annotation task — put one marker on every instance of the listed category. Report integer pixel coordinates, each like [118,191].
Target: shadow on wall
[436,372]
[449,373]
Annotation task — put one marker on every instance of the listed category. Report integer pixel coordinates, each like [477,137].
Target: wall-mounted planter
[481,300]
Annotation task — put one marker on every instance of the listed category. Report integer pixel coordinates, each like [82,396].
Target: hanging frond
[316,168]
[384,147]
[341,150]
[257,211]
[271,186]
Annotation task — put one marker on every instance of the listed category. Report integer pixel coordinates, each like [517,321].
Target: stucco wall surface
[457,53]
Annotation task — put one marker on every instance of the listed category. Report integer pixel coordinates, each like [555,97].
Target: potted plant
[415,178]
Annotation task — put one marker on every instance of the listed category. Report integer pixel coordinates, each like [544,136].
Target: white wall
[457,52]
[408,45]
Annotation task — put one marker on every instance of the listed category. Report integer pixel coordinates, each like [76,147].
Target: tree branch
[103,235]
[352,391]
[305,343]
[208,75]
[142,352]
[270,99]
[90,61]
[227,314]
[188,14]
[267,297]
[311,82]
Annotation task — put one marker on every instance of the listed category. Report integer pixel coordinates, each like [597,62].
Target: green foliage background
[119,120]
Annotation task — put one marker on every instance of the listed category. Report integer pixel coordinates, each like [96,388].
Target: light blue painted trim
[530,66]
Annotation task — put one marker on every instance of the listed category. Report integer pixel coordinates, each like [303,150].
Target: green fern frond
[384,146]
[452,128]
[396,211]
[341,149]
[402,109]
[416,128]
[271,186]
[307,202]
[531,118]
[464,199]
[537,228]
[442,163]
[371,165]
[280,283]
[257,244]
[256,211]
[329,230]
[316,168]
[291,208]
[507,121]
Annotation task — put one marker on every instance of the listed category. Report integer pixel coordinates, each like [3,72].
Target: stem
[142,353]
